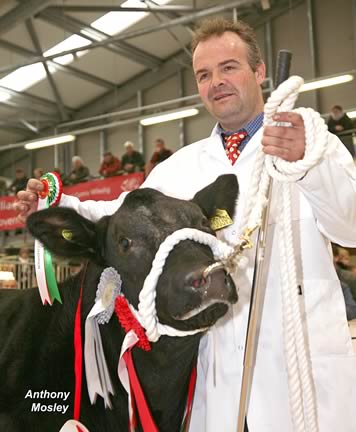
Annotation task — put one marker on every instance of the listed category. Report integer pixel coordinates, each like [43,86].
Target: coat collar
[216,150]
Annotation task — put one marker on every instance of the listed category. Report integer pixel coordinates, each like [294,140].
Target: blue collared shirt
[251,128]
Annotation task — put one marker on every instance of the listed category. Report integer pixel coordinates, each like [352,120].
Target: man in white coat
[229,71]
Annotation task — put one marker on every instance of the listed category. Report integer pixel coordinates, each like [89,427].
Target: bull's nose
[196,279]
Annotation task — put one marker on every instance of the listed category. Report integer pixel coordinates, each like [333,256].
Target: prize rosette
[45,276]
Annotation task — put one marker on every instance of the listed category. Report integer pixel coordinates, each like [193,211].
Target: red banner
[103,189]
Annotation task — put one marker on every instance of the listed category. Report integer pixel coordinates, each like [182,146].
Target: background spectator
[160,154]
[132,160]
[3,186]
[37,173]
[110,165]
[20,181]
[79,171]
[339,122]
[347,278]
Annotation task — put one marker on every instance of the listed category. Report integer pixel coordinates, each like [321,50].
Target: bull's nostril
[198,283]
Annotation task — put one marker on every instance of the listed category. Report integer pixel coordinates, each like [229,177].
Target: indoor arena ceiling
[113,49]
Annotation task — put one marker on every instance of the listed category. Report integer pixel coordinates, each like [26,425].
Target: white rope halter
[147,314]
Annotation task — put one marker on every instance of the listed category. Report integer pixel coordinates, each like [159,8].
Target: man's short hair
[337,107]
[211,27]
[129,144]
[107,154]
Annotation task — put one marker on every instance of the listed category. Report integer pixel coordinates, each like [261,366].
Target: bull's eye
[124,244]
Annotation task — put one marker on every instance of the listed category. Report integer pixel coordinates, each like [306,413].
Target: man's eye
[202,77]
[125,244]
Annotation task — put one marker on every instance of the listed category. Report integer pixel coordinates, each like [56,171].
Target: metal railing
[21,275]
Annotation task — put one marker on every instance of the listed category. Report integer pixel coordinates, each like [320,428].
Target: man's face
[77,164]
[228,87]
[159,146]
[108,158]
[336,113]
[129,150]
[20,174]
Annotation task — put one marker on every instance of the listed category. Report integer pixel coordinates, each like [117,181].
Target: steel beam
[36,43]
[63,68]
[20,13]
[122,48]
[135,33]
[111,8]
[21,109]
[274,13]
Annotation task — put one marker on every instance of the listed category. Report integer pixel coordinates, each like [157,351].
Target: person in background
[38,173]
[132,160]
[79,171]
[344,268]
[339,122]
[20,181]
[160,154]
[347,279]
[110,166]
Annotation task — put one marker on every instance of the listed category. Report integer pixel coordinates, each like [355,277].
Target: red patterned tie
[232,145]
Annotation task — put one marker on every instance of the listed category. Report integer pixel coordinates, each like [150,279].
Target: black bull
[37,342]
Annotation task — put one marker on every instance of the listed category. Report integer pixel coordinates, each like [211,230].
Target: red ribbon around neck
[78,358]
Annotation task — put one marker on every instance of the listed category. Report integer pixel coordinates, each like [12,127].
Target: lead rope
[300,382]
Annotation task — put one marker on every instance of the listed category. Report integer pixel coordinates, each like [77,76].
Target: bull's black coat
[36,351]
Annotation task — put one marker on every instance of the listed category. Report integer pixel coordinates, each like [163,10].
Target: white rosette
[96,370]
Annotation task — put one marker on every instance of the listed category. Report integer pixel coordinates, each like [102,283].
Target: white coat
[324,208]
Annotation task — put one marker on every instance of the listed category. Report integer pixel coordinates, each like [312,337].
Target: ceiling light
[351,114]
[46,142]
[326,82]
[169,116]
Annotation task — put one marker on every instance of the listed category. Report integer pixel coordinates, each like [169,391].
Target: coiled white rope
[301,388]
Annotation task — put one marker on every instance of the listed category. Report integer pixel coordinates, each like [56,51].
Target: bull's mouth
[214,293]
[211,304]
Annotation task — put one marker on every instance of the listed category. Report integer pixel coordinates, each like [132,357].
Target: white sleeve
[330,188]
[95,210]
[92,210]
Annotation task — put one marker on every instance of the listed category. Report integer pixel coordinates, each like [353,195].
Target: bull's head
[187,296]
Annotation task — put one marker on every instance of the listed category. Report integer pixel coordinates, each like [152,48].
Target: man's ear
[65,233]
[220,195]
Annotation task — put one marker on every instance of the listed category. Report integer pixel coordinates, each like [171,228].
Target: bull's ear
[221,194]
[65,233]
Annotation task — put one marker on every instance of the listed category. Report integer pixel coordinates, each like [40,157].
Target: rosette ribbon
[97,374]
[73,426]
[45,276]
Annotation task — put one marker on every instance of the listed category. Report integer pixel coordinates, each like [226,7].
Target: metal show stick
[258,284]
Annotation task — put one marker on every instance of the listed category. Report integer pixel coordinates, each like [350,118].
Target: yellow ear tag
[220,220]
[67,235]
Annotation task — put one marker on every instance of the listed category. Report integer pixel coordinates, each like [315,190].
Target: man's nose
[217,79]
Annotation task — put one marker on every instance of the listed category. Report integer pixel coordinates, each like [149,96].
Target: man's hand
[288,143]
[27,200]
